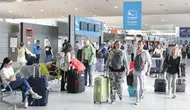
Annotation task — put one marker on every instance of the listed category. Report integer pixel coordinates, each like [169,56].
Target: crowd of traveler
[115,60]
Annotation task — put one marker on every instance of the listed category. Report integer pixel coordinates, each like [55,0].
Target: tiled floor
[153,101]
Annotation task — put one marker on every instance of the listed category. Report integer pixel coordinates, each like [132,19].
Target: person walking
[117,65]
[37,50]
[173,63]
[21,57]
[49,51]
[142,66]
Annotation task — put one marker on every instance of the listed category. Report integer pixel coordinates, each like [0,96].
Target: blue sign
[83,26]
[184,32]
[132,15]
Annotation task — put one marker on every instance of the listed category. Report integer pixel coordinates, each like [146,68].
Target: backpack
[139,62]
[116,60]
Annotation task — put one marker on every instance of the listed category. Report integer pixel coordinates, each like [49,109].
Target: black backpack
[139,62]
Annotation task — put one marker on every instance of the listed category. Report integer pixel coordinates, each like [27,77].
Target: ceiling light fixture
[76,9]
[19,0]
[115,7]
[10,11]
[41,10]
[163,20]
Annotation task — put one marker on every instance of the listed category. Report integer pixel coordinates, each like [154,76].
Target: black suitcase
[181,85]
[160,85]
[155,70]
[183,69]
[75,81]
[39,85]
[31,60]
[130,79]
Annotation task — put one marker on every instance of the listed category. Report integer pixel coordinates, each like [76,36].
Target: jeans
[172,79]
[164,54]
[21,83]
[48,58]
[158,63]
[37,58]
[88,71]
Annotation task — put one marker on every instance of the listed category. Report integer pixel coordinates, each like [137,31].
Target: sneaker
[137,102]
[112,102]
[121,99]
[36,96]
[174,96]
[90,85]
[26,104]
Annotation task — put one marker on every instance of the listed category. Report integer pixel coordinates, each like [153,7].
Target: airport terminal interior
[79,54]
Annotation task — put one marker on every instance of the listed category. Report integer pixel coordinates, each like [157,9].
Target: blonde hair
[48,43]
[174,52]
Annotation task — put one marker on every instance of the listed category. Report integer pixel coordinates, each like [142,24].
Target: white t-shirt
[6,73]
[158,51]
[78,46]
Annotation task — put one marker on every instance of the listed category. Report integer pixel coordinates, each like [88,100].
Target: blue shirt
[35,49]
[103,50]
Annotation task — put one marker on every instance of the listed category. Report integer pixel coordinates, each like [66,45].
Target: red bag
[77,65]
[131,67]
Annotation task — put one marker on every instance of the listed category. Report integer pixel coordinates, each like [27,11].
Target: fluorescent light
[19,0]
[76,9]
[163,20]
[10,11]
[41,10]
[115,7]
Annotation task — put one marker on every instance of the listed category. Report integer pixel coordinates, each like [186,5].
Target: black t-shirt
[173,65]
[48,50]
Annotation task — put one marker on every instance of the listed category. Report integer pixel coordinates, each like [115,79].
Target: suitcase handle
[34,70]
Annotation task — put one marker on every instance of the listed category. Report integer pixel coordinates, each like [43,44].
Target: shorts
[138,82]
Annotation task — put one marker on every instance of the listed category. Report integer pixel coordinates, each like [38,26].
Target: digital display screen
[83,26]
[90,27]
[97,28]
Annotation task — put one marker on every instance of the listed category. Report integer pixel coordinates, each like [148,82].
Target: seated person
[8,77]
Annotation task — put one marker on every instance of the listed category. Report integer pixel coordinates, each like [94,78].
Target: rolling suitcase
[39,85]
[160,85]
[181,85]
[100,65]
[75,81]
[101,89]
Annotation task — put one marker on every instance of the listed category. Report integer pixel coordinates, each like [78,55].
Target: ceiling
[155,12]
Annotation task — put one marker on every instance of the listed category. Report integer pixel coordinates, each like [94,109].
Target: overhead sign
[87,27]
[132,15]
[184,32]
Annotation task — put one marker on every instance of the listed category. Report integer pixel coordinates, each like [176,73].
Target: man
[78,50]
[88,54]
[142,66]
[36,50]
[64,44]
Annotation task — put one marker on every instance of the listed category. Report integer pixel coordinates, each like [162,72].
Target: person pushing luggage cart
[117,65]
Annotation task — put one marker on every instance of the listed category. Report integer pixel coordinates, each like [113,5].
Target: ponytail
[5,61]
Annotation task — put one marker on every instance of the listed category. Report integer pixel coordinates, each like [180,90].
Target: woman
[7,75]
[117,65]
[21,58]
[49,52]
[66,64]
[158,53]
[173,63]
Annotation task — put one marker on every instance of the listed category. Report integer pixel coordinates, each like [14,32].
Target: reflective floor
[153,101]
